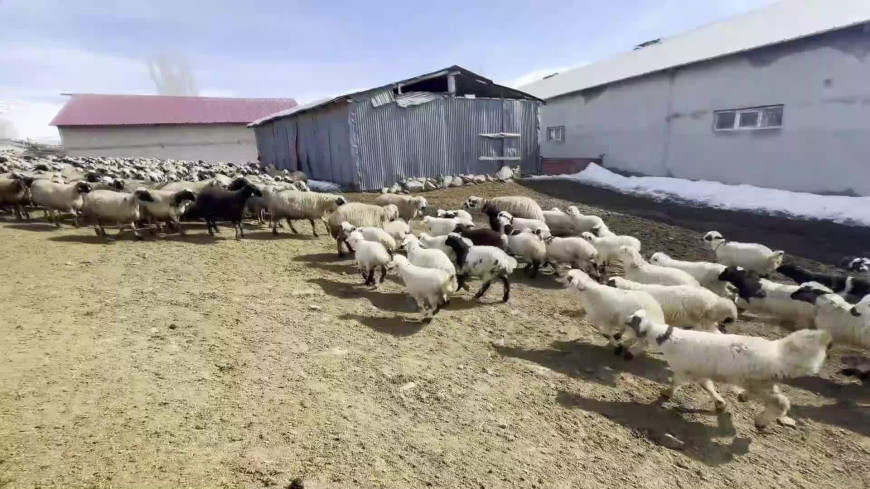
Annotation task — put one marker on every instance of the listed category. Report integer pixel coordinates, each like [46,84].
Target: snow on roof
[119,110]
[783,21]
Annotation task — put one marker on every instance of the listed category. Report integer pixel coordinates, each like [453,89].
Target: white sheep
[572,251]
[559,222]
[751,256]
[846,323]
[484,262]
[686,306]
[197,187]
[398,229]
[522,224]
[294,204]
[429,257]
[777,303]
[442,226]
[371,233]
[606,307]
[582,223]
[59,197]
[639,270]
[409,207]
[439,242]
[518,206]
[369,256]
[706,273]
[429,287]
[108,206]
[168,206]
[527,245]
[753,363]
[607,246]
[360,215]
[453,213]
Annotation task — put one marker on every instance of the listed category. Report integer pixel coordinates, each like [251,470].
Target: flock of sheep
[679,308]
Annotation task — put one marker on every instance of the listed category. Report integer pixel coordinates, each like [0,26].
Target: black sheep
[481,237]
[748,283]
[215,203]
[492,213]
[852,289]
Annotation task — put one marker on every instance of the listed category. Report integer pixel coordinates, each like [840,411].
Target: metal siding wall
[265,144]
[439,137]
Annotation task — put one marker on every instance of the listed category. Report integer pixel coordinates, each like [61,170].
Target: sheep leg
[507,288]
[776,405]
[535,266]
[55,218]
[677,380]
[314,228]
[75,218]
[338,243]
[370,278]
[483,289]
[290,223]
[383,273]
[177,224]
[208,225]
[136,234]
[237,227]
[102,229]
[708,386]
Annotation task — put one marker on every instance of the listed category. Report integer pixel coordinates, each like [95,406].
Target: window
[556,133]
[748,119]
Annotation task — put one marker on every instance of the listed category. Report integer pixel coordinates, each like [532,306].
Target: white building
[157,126]
[778,97]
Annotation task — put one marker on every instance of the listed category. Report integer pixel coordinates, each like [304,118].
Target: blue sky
[309,50]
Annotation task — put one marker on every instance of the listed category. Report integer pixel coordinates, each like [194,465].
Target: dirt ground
[193,362]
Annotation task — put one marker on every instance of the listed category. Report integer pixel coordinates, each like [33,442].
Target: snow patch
[839,209]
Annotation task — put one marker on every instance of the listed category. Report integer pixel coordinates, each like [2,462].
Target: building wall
[441,137]
[212,142]
[662,124]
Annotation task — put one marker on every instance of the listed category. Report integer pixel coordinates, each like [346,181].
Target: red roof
[121,110]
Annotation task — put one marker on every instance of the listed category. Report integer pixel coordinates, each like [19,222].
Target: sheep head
[714,239]
[83,187]
[143,195]
[472,202]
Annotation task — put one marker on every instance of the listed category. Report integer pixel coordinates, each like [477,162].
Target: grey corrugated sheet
[382,98]
[417,98]
[439,137]
[323,144]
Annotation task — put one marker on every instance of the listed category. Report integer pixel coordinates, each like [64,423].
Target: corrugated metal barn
[448,122]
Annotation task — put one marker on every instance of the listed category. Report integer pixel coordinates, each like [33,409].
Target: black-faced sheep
[59,197]
[851,288]
[109,206]
[219,204]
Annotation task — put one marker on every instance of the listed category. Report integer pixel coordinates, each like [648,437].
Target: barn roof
[120,110]
[477,85]
[781,22]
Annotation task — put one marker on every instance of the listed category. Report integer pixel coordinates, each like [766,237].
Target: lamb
[398,229]
[750,362]
[440,242]
[846,323]
[371,233]
[484,262]
[429,287]
[521,224]
[16,193]
[360,215]
[369,256]
[116,207]
[560,223]
[584,223]
[686,306]
[482,237]
[59,197]
[429,257]
[775,302]
[573,251]
[293,204]
[608,246]
[706,273]
[516,205]
[169,206]
[453,213]
[441,226]
[850,288]
[217,203]
[606,307]
[409,207]
[527,245]
[639,270]
[751,256]
[746,283]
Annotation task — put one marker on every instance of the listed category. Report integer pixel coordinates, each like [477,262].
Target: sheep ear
[778,254]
